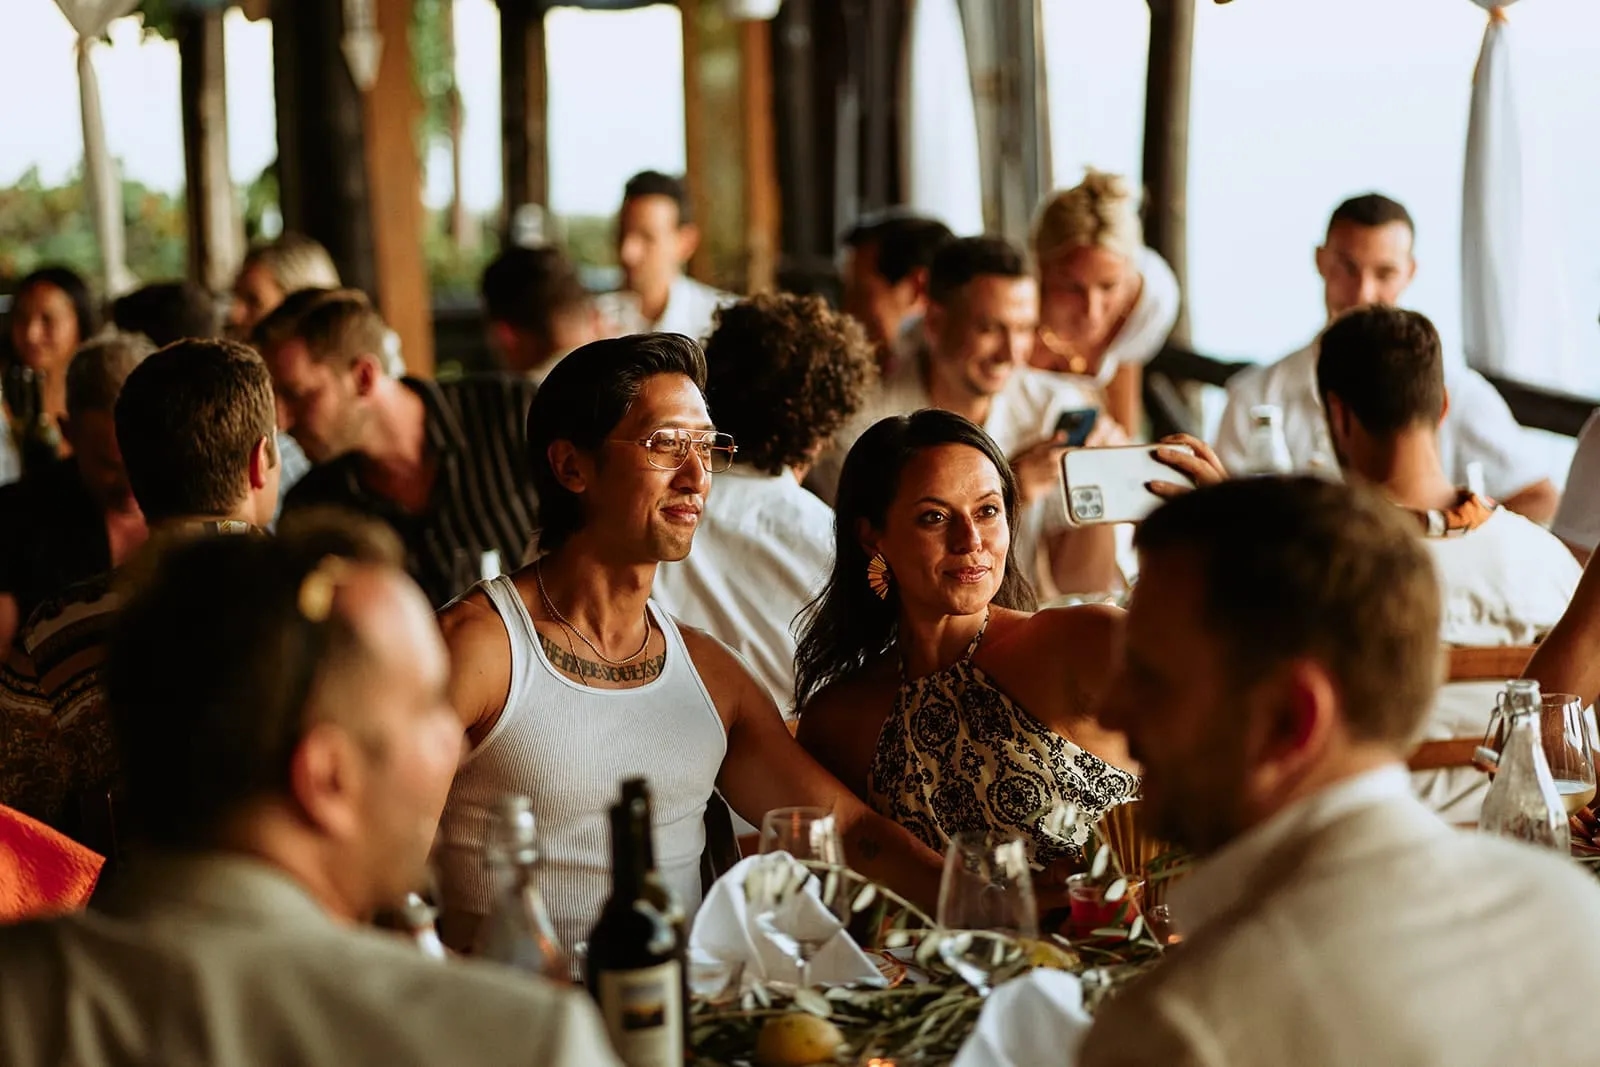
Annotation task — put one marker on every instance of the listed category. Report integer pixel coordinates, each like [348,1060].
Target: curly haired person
[784,373]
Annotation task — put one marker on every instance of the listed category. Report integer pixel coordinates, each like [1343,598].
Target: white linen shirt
[1505,583]
[1356,928]
[1021,414]
[763,550]
[1477,428]
[691,306]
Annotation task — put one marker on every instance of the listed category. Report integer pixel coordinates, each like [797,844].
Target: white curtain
[1515,314]
[942,172]
[102,184]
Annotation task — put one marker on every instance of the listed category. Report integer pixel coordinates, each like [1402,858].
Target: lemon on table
[1049,954]
[796,1040]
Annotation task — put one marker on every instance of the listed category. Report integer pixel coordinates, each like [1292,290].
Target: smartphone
[1107,485]
[1077,425]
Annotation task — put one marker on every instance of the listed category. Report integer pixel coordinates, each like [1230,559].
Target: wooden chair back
[1469,664]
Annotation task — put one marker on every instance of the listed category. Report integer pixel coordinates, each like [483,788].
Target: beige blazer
[1381,938]
[226,962]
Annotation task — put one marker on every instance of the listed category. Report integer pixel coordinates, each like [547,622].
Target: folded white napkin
[1035,1018]
[726,931]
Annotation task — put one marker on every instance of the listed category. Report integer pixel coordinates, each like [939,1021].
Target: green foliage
[433,64]
[41,224]
[591,240]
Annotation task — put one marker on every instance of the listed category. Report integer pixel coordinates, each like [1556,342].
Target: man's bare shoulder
[480,661]
[716,663]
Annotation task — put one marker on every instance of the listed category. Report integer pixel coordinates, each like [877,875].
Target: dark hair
[784,373]
[77,290]
[278,325]
[99,369]
[187,421]
[904,242]
[1386,365]
[1372,209]
[959,261]
[847,626]
[582,401]
[168,311]
[201,739]
[1303,567]
[655,183]
[530,288]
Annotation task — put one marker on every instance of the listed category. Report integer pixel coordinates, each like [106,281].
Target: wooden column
[322,160]
[1166,141]
[392,112]
[524,107]
[714,117]
[216,234]
[761,193]
[804,225]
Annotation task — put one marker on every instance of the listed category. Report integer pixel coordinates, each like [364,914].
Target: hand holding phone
[1111,485]
[1077,425]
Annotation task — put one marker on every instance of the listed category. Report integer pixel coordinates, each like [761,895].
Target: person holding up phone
[924,675]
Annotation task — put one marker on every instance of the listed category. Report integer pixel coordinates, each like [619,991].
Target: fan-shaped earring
[878,576]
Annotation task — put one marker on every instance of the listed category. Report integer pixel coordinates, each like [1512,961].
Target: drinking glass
[1567,749]
[794,907]
[986,905]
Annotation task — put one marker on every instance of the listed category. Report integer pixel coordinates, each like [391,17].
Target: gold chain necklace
[538,576]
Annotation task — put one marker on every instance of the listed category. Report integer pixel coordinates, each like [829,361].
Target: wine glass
[986,905]
[796,910]
[1567,749]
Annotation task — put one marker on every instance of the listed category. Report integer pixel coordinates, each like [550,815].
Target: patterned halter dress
[959,754]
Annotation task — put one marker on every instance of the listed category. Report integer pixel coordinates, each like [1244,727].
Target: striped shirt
[482,499]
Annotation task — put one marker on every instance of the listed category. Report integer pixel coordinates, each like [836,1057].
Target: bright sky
[1296,105]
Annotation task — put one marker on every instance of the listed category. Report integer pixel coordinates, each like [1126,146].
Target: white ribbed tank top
[568,746]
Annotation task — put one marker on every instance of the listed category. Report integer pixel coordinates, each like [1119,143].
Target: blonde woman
[1107,303]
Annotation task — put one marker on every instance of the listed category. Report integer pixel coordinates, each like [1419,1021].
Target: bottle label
[643,1014]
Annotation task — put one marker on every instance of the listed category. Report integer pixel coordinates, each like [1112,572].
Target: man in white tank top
[568,678]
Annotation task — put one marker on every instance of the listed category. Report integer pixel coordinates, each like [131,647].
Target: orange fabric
[42,872]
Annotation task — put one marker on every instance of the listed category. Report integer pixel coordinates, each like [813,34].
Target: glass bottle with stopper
[1523,801]
[518,931]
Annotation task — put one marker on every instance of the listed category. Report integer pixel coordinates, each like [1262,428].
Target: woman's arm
[1568,661]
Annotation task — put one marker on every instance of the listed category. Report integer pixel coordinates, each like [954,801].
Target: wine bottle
[518,931]
[656,889]
[635,964]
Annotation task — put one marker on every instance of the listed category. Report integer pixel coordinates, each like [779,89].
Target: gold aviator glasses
[668,450]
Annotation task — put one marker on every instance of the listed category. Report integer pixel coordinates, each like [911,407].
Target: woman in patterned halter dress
[924,679]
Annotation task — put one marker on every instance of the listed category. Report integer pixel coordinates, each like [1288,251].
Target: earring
[878,576]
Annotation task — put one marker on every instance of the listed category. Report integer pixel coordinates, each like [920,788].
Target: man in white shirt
[783,373]
[983,311]
[656,238]
[1281,653]
[1505,580]
[287,776]
[1366,259]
